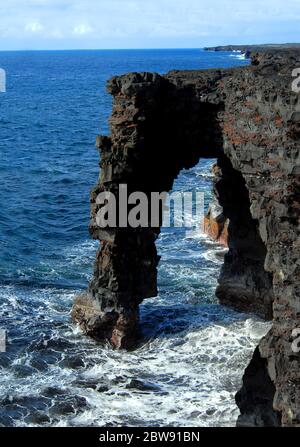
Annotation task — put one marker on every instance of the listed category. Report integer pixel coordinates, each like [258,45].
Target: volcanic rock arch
[247,118]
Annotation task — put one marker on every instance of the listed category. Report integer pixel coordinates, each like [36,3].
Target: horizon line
[147,48]
[104,49]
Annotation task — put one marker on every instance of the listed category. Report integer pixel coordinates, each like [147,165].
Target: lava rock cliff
[247,118]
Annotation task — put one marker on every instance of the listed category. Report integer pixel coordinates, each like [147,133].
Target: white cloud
[34,27]
[82,29]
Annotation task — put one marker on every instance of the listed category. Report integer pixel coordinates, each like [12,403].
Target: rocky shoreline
[248,118]
[255,51]
[255,48]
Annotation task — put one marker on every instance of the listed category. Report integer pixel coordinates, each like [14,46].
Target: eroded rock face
[243,283]
[215,222]
[247,118]
[255,399]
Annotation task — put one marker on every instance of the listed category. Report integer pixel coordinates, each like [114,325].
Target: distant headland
[261,47]
[249,50]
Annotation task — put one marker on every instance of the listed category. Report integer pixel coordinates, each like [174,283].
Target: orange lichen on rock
[216,224]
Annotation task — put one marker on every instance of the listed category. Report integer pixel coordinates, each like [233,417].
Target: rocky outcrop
[247,118]
[255,399]
[215,222]
[244,284]
[251,50]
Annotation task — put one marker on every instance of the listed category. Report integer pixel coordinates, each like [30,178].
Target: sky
[112,24]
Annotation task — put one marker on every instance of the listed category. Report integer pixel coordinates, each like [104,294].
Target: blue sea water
[190,365]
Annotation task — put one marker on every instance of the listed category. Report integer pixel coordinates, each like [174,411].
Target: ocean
[191,360]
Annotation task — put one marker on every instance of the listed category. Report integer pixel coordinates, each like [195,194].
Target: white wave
[192,366]
[215,255]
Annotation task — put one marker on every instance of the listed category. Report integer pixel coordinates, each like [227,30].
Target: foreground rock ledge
[248,119]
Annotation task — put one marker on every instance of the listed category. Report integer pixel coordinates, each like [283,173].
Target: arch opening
[159,126]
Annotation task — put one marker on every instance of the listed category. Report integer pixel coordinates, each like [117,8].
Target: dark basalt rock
[140,385]
[243,284]
[247,118]
[255,399]
[251,51]
[119,326]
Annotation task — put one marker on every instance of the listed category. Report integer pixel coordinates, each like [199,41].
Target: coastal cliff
[248,119]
